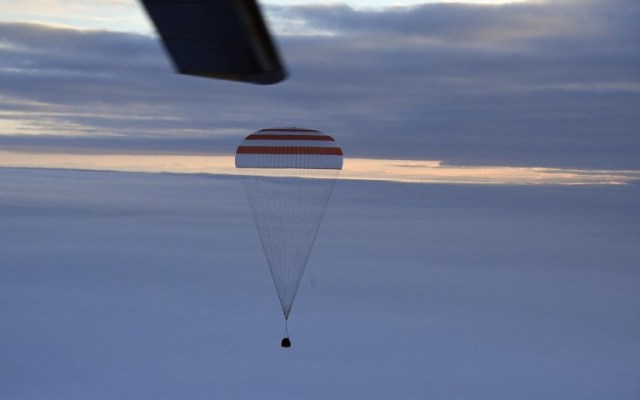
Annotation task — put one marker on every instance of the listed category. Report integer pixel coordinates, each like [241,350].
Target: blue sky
[551,84]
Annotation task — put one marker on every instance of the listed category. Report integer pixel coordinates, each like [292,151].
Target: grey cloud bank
[549,84]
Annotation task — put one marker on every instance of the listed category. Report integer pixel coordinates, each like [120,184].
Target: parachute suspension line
[288,206]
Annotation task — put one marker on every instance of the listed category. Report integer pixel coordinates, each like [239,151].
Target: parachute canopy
[289,176]
[289,148]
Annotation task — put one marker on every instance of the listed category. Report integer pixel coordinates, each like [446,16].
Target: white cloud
[368,4]
[114,15]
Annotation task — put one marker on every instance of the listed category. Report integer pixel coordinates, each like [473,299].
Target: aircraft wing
[224,39]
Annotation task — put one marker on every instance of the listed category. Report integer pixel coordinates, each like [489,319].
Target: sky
[533,84]
[482,242]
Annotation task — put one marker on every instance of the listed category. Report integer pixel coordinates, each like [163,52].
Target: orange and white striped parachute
[289,148]
[289,177]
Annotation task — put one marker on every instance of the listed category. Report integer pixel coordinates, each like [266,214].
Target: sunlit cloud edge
[362,169]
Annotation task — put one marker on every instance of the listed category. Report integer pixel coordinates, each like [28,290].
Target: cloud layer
[525,83]
[153,286]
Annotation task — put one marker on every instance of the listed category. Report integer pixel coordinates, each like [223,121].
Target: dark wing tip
[223,39]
